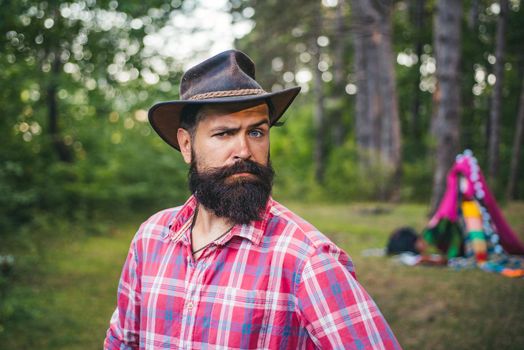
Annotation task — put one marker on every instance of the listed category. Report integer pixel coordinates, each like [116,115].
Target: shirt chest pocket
[162,308]
[236,317]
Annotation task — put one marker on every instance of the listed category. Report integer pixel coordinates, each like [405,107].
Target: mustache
[243,166]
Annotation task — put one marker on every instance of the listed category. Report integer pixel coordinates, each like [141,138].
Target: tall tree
[319,116]
[517,145]
[377,119]
[446,112]
[339,74]
[496,97]
[473,17]
[65,153]
[418,14]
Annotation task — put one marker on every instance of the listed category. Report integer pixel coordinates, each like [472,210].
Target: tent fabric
[496,228]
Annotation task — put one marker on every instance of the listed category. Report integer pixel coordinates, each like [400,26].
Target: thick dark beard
[240,200]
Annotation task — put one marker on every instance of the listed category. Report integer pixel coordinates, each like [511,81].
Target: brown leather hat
[228,77]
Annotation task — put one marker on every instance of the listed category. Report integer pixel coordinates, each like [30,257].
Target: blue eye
[256,133]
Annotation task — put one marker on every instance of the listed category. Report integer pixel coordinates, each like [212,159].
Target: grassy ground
[64,298]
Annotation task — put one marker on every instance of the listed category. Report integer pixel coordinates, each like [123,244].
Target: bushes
[347,181]
[25,256]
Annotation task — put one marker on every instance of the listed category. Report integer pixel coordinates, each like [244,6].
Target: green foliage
[417,178]
[75,141]
[346,180]
[291,154]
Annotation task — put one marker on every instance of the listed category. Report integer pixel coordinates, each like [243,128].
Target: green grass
[68,302]
[64,296]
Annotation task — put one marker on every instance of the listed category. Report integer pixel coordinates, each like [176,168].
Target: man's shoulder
[293,225]
[158,224]
[164,214]
[303,241]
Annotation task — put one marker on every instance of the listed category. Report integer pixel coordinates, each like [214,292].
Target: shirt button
[190,305]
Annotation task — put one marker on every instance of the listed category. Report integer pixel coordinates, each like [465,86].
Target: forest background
[391,92]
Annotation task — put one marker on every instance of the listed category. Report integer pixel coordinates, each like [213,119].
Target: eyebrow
[226,128]
[260,123]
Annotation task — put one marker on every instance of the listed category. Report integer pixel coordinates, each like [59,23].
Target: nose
[242,149]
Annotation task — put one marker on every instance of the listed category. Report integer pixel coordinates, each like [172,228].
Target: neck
[207,227]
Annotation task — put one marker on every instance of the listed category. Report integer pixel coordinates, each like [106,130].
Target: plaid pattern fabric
[274,284]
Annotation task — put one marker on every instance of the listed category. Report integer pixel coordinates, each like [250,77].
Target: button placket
[192,291]
[189,309]
[190,303]
[195,291]
[191,285]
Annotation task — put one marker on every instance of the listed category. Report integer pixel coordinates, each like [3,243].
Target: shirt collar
[180,225]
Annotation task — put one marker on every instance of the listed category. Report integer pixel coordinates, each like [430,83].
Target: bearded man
[232,268]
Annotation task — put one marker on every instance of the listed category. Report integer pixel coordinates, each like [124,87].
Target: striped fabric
[275,284]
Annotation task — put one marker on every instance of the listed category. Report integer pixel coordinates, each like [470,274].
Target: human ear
[184,141]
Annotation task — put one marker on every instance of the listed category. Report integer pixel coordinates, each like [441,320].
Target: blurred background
[392,91]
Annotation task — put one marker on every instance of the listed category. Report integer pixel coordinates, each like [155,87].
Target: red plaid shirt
[274,284]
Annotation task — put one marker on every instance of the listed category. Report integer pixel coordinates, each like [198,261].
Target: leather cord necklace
[213,241]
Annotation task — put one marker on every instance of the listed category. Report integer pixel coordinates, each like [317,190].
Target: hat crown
[228,71]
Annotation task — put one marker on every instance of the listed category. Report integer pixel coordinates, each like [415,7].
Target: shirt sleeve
[335,309]
[124,328]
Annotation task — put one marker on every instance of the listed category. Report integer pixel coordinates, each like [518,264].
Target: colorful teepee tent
[468,205]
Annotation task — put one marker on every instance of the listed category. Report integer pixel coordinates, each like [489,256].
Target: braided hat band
[227,93]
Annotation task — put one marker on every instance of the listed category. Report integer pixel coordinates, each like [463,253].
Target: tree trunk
[446,99]
[496,97]
[473,19]
[319,113]
[517,143]
[418,19]
[63,152]
[377,120]
[339,79]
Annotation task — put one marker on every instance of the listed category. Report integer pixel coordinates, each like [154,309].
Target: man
[232,268]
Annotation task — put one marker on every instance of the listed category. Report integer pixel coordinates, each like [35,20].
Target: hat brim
[165,116]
